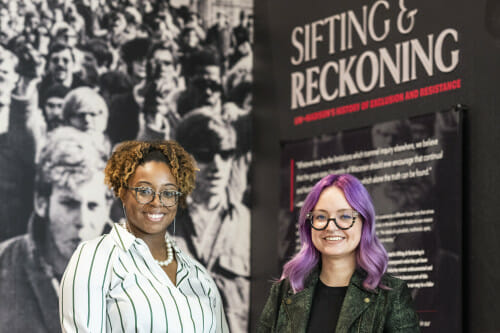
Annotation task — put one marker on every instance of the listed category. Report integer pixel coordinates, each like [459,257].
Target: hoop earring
[174,226]
[124,213]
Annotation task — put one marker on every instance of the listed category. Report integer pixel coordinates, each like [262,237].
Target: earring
[174,226]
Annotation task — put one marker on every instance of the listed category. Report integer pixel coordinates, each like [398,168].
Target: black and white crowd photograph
[79,77]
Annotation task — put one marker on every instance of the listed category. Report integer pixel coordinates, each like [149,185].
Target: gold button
[367,300]
[288,301]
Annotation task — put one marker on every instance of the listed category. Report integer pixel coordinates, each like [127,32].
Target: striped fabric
[113,284]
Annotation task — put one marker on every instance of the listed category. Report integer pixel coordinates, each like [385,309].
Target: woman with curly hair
[337,281]
[135,278]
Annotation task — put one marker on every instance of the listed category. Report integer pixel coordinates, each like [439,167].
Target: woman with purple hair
[337,281]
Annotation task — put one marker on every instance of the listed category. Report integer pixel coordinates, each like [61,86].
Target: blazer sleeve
[269,316]
[402,318]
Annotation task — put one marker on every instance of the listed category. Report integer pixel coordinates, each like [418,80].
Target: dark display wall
[472,83]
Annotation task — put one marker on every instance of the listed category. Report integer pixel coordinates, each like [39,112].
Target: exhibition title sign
[352,52]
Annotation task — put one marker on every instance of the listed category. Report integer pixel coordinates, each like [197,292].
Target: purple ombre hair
[370,254]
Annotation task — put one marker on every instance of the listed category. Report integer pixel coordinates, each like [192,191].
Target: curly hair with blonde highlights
[130,154]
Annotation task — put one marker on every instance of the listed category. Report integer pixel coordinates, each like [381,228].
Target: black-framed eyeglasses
[145,195]
[344,219]
[207,156]
[204,83]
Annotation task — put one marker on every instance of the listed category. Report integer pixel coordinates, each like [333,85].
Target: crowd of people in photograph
[85,75]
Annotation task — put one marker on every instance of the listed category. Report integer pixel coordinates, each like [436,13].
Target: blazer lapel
[356,301]
[298,306]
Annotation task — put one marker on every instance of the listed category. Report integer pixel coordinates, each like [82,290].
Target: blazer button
[367,300]
[288,301]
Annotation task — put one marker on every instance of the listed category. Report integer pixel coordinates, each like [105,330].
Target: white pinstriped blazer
[113,284]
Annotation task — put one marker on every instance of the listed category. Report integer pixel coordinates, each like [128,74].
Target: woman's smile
[154,217]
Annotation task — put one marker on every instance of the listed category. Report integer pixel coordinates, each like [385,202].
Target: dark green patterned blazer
[379,310]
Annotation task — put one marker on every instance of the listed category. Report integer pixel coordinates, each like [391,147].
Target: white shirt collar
[125,239]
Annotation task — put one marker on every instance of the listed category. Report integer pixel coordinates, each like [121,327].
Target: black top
[325,308]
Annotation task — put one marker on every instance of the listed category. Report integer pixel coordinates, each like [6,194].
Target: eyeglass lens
[145,195]
[344,219]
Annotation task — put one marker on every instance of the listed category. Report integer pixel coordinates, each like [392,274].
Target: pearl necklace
[170,252]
